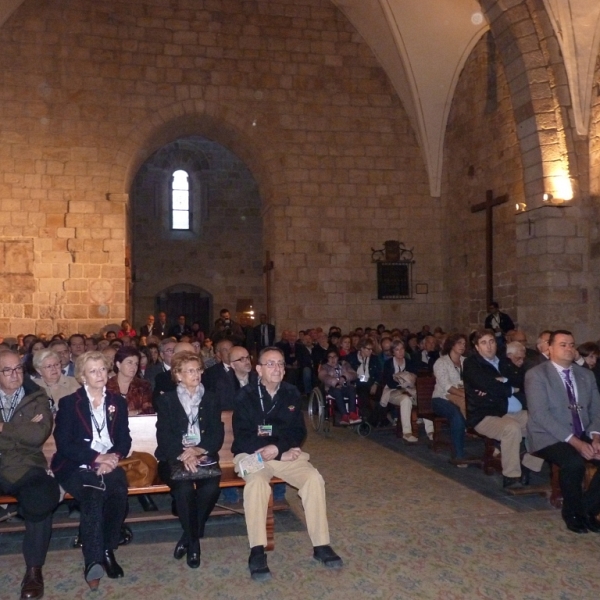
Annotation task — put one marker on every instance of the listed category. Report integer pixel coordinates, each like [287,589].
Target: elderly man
[149,328]
[496,408]
[220,379]
[62,349]
[268,421]
[76,348]
[564,428]
[25,424]
[165,351]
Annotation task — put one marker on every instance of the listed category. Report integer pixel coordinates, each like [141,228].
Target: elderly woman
[50,377]
[448,371]
[136,391]
[188,431]
[92,435]
[337,378]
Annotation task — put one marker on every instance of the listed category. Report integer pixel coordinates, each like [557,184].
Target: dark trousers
[37,494]
[572,471]
[448,410]
[102,512]
[194,500]
[340,395]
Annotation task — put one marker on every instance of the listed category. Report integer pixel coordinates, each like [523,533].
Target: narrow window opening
[180,201]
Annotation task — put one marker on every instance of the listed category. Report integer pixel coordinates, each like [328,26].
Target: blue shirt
[514,404]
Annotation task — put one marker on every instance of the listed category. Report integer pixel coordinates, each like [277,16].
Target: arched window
[181,217]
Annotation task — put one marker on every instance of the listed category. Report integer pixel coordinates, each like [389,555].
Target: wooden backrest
[425,385]
[143,437]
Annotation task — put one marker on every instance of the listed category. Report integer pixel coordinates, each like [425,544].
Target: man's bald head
[239,359]
[183,347]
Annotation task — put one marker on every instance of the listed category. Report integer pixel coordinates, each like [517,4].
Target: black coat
[222,383]
[73,432]
[283,412]
[480,375]
[172,424]
[387,376]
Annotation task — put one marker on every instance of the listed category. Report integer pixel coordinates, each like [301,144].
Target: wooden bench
[143,435]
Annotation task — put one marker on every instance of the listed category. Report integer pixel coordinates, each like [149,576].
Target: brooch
[111,411]
[291,408]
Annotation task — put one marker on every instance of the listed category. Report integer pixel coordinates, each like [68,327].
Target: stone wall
[481,153]
[88,91]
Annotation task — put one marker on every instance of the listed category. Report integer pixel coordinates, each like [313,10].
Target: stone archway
[221,254]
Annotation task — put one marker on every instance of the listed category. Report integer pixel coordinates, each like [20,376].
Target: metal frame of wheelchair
[321,412]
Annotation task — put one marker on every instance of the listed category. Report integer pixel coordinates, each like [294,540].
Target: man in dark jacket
[268,421]
[496,407]
[25,424]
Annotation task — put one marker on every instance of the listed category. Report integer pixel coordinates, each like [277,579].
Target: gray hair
[515,348]
[41,356]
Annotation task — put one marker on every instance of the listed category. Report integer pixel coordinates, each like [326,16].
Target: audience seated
[50,378]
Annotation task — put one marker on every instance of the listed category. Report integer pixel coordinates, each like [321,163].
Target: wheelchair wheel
[363,429]
[316,409]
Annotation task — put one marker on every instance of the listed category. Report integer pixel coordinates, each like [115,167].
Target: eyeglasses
[192,371]
[271,364]
[244,358]
[7,371]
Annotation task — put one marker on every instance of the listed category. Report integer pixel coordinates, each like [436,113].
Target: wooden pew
[143,435]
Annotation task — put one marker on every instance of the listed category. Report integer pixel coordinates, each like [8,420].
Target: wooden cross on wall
[488,206]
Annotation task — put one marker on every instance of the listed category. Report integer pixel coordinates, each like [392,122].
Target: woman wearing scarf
[92,435]
[188,431]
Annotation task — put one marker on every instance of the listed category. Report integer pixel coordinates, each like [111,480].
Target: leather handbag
[180,473]
[140,469]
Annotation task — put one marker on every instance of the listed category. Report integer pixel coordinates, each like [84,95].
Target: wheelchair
[322,412]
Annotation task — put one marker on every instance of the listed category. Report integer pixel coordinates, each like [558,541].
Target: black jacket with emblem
[283,413]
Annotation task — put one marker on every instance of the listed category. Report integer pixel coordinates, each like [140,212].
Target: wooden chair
[425,386]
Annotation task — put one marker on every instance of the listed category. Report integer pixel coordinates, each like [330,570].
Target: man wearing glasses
[268,420]
[25,424]
[240,362]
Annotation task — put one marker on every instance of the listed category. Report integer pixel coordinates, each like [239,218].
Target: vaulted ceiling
[423,45]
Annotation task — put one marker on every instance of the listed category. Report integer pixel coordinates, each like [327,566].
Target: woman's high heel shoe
[93,573]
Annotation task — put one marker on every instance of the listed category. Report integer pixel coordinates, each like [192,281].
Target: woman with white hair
[50,378]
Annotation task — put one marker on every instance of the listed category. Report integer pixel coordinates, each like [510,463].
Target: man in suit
[148,329]
[564,428]
[180,328]
[25,424]
[161,328]
[165,349]
[264,334]
[496,407]
[500,323]
[220,378]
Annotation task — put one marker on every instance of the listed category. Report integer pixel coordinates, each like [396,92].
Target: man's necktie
[577,426]
[265,336]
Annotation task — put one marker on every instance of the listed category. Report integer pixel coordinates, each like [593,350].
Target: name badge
[190,439]
[265,430]
[364,378]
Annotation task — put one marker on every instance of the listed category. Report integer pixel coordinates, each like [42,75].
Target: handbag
[140,469]
[203,471]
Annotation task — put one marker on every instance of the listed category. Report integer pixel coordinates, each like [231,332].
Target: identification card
[251,464]
[364,378]
[265,430]
[190,439]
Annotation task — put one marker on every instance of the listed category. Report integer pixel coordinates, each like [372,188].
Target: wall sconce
[520,207]
[547,197]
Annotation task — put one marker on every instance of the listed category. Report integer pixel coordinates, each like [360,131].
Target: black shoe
[525,473]
[181,549]
[592,523]
[512,483]
[32,586]
[92,574]
[193,554]
[113,570]
[328,557]
[257,563]
[575,523]
[126,536]
[147,503]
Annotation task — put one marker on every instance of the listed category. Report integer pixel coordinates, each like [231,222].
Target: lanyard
[98,427]
[11,409]
[262,406]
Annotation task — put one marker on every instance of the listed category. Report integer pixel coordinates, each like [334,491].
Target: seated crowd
[544,400]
